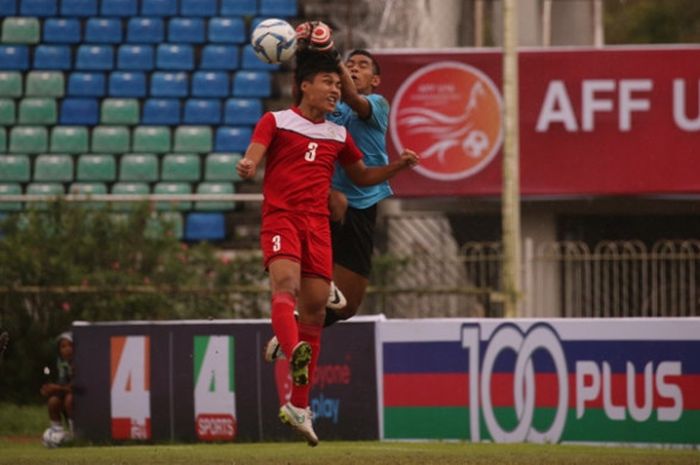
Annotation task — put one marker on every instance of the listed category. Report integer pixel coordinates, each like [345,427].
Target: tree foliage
[652,21]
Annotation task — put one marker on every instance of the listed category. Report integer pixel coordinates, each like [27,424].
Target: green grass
[25,420]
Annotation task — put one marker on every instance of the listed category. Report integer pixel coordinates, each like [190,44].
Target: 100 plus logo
[653,392]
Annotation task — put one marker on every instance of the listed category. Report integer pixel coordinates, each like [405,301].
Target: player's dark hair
[375,65]
[309,64]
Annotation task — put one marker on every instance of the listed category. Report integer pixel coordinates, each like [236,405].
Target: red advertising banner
[616,121]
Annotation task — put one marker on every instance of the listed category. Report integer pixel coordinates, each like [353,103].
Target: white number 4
[310,154]
[276,243]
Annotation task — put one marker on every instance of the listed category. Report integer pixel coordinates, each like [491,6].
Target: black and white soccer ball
[274,41]
[54,437]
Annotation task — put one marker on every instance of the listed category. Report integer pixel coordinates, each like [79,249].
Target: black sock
[332,317]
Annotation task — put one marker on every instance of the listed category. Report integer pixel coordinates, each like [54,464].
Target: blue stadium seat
[103,31]
[86,85]
[210,84]
[198,7]
[205,227]
[159,8]
[161,111]
[78,7]
[38,7]
[80,111]
[232,139]
[251,84]
[166,84]
[120,8]
[186,30]
[135,57]
[202,111]
[172,56]
[239,7]
[227,30]
[242,111]
[127,84]
[14,57]
[250,60]
[52,57]
[95,57]
[61,31]
[8,8]
[145,31]
[278,8]
[219,57]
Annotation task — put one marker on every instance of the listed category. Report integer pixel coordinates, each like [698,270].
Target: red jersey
[301,157]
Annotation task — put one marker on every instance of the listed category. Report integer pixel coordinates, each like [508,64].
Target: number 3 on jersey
[310,154]
[276,243]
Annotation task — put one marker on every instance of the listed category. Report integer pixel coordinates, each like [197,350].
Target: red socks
[312,335]
[283,322]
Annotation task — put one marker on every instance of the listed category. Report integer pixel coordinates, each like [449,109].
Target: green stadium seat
[138,167]
[180,167]
[165,223]
[120,111]
[173,188]
[3,140]
[45,84]
[96,168]
[10,189]
[16,30]
[89,188]
[193,139]
[221,167]
[10,84]
[152,139]
[29,139]
[15,168]
[7,112]
[215,188]
[37,111]
[110,139]
[128,188]
[43,188]
[69,139]
[53,168]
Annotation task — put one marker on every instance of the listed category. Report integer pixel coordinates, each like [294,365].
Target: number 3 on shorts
[276,243]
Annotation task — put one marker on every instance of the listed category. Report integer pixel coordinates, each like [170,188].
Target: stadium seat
[14,168]
[198,7]
[159,7]
[86,84]
[69,139]
[167,84]
[128,188]
[232,139]
[37,111]
[10,84]
[135,57]
[7,112]
[161,111]
[152,139]
[8,8]
[249,60]
[175,57]
[278,8]
[242,111]
[95,57]
[239,7]
[14,57]
[215,188]
[28,139]
[121,8]
[110,139]
[38,7]
[103,31]
[180,167]
[219,57]
[52,57]
[210,84]
[227,30]
[168,223]
[96,168]
[145,31]
[53,168]
[186,30]
[221,167]
[193,139]
[252,84]
[10,188]
[142,167]
[89,188]
[44,84]
[120,111]
[44,188]
[3,140]
[172,188]
[78,111]
[205,227]
[202,111]
[78,7]
[127,84]
[61,31]
[20,30]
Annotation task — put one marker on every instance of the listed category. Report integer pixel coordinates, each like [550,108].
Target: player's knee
[55,403]
[338,205]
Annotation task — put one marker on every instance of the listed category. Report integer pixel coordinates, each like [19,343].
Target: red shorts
[305,239]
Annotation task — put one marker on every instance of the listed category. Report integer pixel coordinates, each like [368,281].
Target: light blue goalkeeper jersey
[370,137]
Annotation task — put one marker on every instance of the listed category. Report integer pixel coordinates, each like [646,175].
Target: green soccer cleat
[299,364]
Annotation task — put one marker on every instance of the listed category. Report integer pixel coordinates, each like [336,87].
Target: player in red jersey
[301,148]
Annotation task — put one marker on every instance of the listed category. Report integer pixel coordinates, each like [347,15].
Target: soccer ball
[274,41]
[53,437]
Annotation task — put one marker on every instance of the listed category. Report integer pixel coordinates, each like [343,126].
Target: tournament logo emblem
[450,113]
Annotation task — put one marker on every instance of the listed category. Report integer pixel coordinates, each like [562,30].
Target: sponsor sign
[130,391]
